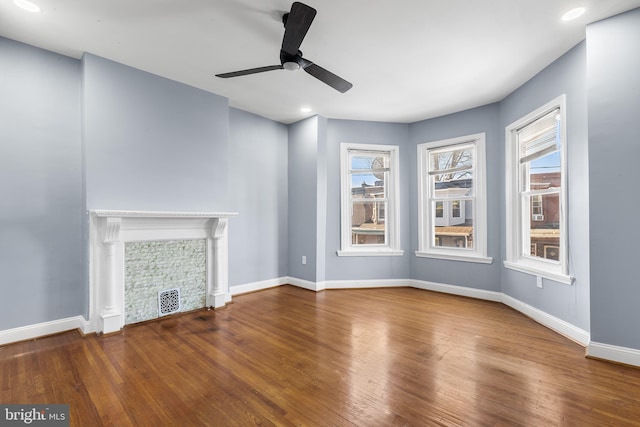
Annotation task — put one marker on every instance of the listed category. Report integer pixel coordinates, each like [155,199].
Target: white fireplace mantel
[110,229]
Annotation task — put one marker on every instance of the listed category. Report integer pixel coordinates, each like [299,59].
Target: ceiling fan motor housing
[292,62]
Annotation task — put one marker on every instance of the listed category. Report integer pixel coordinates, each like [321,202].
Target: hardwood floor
[287,356]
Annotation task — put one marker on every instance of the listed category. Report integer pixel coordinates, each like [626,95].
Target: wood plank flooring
[291,357]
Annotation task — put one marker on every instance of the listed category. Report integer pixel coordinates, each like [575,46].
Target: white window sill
[380,252]
[455,257]
[556,277]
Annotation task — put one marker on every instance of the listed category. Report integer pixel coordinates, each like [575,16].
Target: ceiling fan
[296,24]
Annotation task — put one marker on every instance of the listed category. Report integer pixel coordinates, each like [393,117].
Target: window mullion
[554,190]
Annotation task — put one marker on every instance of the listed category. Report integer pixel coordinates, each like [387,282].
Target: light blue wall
[567,75]
[41,261]
[321,203]
[354,268]
[303,198]
[473,275]
[151,143]
[613,67]
[257,168]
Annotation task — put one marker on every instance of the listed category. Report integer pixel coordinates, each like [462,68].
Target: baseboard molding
[272,283]
[257,286]
[570,331]
[627,356]
[42,329]
[364,284]
[456,290]
[306,284]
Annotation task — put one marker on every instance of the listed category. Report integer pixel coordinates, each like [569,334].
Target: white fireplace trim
[109,229]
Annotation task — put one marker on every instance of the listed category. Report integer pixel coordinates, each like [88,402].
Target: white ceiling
[408,60]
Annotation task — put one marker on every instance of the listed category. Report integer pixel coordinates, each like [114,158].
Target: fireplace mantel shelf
[160,214]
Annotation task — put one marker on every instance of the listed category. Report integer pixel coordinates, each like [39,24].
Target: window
[370,188]
[452,203]
[536,208]
[455,208]
[536,193]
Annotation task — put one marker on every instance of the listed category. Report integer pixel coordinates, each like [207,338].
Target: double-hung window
[536,193]
[369,208]
[452,199]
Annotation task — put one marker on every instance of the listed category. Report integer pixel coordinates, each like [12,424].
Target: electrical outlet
[539,282]
[304,259]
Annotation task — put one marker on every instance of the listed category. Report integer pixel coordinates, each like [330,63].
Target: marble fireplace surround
[110,229]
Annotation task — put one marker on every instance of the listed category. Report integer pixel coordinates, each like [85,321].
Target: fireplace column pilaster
[110,315]
[219,275]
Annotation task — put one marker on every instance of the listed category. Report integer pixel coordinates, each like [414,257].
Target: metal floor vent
[168,301]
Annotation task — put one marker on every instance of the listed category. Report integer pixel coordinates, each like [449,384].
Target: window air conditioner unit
[538,217]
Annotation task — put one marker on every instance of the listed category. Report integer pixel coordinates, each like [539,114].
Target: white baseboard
[41,329]
[272,283]
[305,284]
[456,290]
[364,284]
[628,356]
[560,326]
[257,286]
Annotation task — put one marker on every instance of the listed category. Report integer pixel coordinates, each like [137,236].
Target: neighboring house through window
[536,193]
[370,209]
[452,199]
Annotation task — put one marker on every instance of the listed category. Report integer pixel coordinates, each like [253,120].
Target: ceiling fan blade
[296,25]
[250,71]
[336,82]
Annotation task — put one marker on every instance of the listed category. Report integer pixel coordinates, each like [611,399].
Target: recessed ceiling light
[573,14]
[305,109]
[27,5]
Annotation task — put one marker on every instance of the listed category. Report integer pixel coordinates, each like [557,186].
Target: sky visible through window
[357,179]
[548,163]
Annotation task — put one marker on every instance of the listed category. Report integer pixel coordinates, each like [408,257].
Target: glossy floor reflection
[287,356]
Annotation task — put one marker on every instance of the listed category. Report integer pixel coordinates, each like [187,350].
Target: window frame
[427,216]
[515,259]
[392,211]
